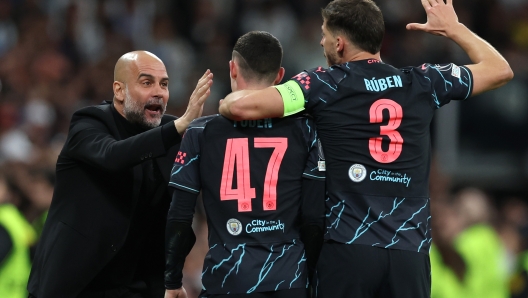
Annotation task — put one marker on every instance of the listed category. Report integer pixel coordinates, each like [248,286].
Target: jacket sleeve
[90,141]
[179,236]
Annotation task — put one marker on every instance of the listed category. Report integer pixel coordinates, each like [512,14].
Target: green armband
[292,96]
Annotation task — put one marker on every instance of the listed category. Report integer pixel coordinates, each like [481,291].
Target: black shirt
[250,174]
[121,270]
[374,123]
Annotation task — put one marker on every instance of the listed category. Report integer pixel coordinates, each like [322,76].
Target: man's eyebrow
[151,76]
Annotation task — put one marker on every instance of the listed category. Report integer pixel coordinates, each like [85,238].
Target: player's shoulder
[302,122]
[201,122]
[198,125]
[299,117]
[335,72]
[320,76]
[416,69]
[429,73]
[433,69]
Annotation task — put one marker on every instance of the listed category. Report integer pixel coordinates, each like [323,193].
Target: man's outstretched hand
[441,18]
[196,102]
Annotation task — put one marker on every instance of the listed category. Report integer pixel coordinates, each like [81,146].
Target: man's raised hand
[441,18]
[196,102]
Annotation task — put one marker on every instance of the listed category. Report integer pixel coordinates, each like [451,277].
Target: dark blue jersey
[250,174]
[374,124]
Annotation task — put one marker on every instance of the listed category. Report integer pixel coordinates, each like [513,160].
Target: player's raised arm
[253,104]
[490,70]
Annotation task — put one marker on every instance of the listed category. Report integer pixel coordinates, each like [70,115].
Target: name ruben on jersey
[383,83]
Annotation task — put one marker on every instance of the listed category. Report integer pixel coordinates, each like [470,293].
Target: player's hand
[441,18]
[196,102]
[178,293]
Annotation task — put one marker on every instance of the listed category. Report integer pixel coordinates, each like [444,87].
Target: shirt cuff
[170,135]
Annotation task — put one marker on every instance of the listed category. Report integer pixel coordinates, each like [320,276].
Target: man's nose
[160,91]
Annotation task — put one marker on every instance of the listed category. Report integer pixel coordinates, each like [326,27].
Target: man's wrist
[181,124]
[456,31]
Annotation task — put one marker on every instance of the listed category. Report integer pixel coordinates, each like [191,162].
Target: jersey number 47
[237,153]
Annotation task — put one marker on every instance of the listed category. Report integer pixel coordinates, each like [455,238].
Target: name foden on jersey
[261,123]
[383,83]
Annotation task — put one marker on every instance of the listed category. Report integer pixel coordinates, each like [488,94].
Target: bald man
[104,235]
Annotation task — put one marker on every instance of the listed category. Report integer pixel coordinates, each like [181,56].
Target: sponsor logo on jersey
[455,71]
[259,226]
[234,227]
[389,176]
[357,172]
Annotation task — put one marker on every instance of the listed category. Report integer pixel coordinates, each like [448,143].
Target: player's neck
[362,55]
[244,85]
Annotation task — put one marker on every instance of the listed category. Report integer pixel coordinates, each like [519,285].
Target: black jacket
[98,180]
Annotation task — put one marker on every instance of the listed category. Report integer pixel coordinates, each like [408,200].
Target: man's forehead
[150,68]
[323,26]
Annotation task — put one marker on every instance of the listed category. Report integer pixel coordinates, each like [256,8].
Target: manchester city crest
[234,227]
[357,172]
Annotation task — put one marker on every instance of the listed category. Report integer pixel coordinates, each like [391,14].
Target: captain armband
[292,96]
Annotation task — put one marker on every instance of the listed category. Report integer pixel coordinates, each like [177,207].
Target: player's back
[374,124]
[251,174]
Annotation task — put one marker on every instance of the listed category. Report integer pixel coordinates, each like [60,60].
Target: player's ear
[340,44]
[233,69]
[119,91]
[279,77]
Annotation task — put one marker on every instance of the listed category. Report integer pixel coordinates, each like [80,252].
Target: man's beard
[135,112]
[331,59]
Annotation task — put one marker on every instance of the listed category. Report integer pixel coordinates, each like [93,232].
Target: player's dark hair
[259,56]
[361,21]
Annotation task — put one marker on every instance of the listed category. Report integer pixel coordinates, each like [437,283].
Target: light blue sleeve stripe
[470,87]
[313,176]
[184,187]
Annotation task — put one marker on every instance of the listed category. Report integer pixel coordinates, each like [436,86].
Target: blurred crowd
[57,56]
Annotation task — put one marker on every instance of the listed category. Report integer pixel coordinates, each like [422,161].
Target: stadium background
[58,55]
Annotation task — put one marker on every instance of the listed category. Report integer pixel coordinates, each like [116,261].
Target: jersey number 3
[389,130]
[237,152]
